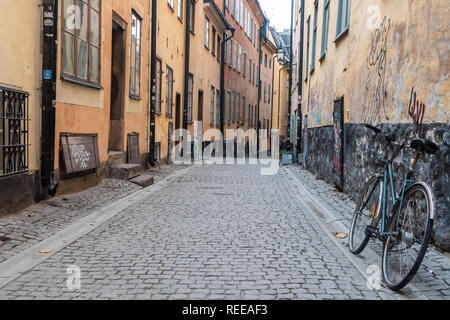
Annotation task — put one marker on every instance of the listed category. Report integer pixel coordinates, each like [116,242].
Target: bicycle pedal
[372,231]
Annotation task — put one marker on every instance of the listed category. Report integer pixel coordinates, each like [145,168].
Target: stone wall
[363,158]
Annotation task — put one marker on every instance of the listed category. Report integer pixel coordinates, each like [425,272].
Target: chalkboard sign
[133,155]
[79,152]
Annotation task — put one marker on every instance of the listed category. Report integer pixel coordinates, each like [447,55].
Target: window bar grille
[14,131]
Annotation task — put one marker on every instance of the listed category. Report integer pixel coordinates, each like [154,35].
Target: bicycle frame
[397,201]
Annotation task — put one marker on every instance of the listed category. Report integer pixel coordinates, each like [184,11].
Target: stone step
[144,180]
[124,171]
[116,157]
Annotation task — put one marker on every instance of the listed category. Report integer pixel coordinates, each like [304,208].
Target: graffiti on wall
[338,150]
[374,97]
[416,111]
[316,116]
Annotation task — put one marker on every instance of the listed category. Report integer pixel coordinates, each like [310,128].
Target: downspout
[152,156]
[290,77]
[50,35]
[300,85]
[222,83]
[271,105]
[263,25]
[187,49]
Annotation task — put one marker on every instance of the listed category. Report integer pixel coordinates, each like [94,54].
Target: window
[343,19]
[254,73]
[233,5]
[207,32]
[254,33]
[270,63]
[191,15]
[225,52]
[158,85]
[314,42]
[239,59]
[241,14]
[307,46]
[244,67]
[325,23]
[265,89]
[230,53]
[218,107]
[135,59]
[237,11]
[213,46]
[250,70]
[170,2]
[219,43]
[229,107]
[211,106]
[169,91]
[251,28]
[180,9]
[238,107]
[243,110]
[234,54]
[269,93]
[265,60]
[190,97]
[81,46]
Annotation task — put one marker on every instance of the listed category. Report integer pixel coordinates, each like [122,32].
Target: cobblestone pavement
[217,232]
[433,277]
[26,228]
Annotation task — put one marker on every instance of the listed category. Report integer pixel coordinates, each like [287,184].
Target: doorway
[200,105]
[178,118]
[116,127]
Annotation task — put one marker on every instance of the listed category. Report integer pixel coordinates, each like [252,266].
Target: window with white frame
[170,2]
[180,9]
[207,24]
[135,59]
[217,107]
[81,46]
[239,59]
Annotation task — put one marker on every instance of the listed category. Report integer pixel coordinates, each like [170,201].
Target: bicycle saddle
[424,145]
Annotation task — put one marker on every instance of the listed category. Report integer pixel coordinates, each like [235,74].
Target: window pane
[138,57]
[83,31]
[69,15]
[137,90]
[68,56]
[94,34]
[133,55]
[94,65]
[82,59]
[95,4]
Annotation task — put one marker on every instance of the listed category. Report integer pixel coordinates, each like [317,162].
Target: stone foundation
[363,158]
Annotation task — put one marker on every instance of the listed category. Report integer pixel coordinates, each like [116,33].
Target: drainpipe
[225,38]
[50,13]
[152,156]
[187,49]
[271,105]
[263,25]
[300,84]
[290,77]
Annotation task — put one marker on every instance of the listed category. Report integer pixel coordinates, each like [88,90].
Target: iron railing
[14,131]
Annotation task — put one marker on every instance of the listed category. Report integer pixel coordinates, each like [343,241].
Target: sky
[278,12]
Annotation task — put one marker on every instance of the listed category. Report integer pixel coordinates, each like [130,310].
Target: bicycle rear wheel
[404,252]
[367,213]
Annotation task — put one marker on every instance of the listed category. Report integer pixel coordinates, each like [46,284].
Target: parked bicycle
[406,229]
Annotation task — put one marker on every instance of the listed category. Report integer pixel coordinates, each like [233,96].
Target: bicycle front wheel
[412,226]
[367,213]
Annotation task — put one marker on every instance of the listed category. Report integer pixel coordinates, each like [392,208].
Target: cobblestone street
[211,232]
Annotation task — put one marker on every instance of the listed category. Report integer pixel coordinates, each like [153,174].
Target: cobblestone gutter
[363,158]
